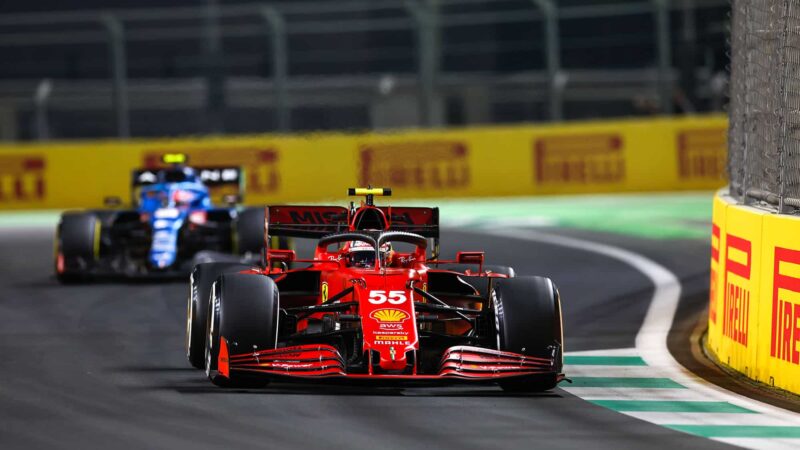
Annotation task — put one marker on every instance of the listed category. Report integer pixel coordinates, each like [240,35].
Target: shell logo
[389,315]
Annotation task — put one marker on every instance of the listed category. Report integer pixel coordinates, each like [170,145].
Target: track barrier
[754,300]
[661,154]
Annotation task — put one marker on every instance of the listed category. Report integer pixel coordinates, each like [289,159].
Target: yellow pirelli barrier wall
[754,301]
[603,156]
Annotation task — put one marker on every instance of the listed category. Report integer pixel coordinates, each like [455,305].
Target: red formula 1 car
[374,303]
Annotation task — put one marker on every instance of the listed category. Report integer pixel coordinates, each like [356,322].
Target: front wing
[459,363]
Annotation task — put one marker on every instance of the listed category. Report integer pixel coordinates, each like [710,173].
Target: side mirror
[112,202]
[281,256]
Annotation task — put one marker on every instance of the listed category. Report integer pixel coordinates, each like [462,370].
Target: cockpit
[373,249]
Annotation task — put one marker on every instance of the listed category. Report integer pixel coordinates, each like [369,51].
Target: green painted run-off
[651,215]
[738,431]
[671,406]
[624,382]
[604,360]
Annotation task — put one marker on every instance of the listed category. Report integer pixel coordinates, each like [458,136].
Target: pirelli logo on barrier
[586,159]
[702,154]
[415,165]
[712,291]
[262,175]
[22,179]
[786,306]
[738,267]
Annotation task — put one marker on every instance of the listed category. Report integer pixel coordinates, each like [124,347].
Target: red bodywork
[382,302]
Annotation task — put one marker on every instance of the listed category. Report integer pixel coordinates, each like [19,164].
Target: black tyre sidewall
[75,240]
[250,230]
[200,281]
[243,310]
[528,320]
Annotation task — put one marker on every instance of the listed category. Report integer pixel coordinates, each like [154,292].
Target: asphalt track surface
[103,366]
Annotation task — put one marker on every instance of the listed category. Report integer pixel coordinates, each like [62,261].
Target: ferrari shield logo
[324,290]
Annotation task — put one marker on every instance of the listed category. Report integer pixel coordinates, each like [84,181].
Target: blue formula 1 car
[172,226]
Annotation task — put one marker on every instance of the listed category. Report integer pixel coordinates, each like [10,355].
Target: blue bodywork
[169,201]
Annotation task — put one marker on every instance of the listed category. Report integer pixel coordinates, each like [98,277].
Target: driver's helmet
[189,174]
[362,255]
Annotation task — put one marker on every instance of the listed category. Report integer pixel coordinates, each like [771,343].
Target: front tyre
[200,281]
[528,321]
[77,246]
[242,312]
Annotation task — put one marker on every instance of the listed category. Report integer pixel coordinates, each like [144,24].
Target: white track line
[651,340]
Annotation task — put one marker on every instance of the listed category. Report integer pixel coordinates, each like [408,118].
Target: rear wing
[317,221]
[222,182]
[210,176]
[305,221]
[422,221]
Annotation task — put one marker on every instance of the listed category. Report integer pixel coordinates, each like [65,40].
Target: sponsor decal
[415,165]
[324,291]
[379,297]
[22,178]
[394,337]
[314,217]
[786,305]
[712,291]
[260,165]
[385,342]
[702,154]
[586,159]
[736,309]
[389,315]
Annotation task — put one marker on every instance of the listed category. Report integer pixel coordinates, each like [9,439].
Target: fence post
[552,57]
[276,25]
[784,106]
[427,21]
[664,54]
[215,79]
[749,118]
[688,53]
[41,97]
[119,74]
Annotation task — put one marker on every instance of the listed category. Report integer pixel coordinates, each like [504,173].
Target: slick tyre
[77,246]
[528,321]
[250,233]
[243,312]
[200,281]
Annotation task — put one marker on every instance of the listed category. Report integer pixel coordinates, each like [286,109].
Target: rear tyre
[250,235]
[250,230]
[243,311]
[77,246]
[200,281]
[528,321]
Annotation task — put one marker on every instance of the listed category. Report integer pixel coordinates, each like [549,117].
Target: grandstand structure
[212,66]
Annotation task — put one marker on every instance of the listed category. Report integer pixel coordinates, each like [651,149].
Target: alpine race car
[172,226]
[374,303]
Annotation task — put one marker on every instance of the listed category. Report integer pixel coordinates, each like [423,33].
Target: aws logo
[389,315]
